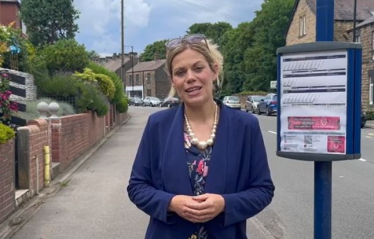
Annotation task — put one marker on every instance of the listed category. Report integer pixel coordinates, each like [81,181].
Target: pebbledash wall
[69,137]
[30,86]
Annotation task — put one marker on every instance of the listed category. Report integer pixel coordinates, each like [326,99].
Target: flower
[205,173]
[200,167]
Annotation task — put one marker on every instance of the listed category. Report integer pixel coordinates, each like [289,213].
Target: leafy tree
[49,21]
[212,31]
[157,48]
[65,56]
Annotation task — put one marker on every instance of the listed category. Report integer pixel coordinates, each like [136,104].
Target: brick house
[150,79]
[302,29]
[9,12]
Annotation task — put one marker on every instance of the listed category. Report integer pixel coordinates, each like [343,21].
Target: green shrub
[370,115]
[122,106]
[65,56]
[114,77]
[6,133]
[33,113]
[90,98]
[104,82]
[59,85]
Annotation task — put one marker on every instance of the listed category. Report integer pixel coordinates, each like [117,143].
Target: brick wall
[341,29]
[7,189]
[9,13]
[38,139]
[74,135]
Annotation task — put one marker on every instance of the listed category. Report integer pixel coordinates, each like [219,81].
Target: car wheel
[258,111]
[252,109]
[268,112]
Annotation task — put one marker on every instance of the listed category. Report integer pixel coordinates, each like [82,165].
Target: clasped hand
[198,209]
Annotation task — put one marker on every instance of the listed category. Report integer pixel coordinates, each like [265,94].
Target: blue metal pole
[323,170]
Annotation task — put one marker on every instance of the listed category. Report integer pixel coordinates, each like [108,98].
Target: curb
[23,214]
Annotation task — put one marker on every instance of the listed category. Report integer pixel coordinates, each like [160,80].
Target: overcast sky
[147,21]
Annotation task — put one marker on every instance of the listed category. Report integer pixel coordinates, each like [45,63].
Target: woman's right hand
[178,204]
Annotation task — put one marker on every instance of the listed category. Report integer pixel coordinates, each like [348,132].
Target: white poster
[314,102]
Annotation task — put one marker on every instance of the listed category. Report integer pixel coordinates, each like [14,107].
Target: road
[94,204]
[291,213]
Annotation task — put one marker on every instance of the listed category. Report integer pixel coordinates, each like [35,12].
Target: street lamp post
[132,68]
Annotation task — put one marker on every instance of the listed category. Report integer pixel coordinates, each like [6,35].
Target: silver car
[151,101]
[252,102]
[232,101]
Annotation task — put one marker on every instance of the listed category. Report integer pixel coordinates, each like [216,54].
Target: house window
[358,39]
[149,92]
[130,80]
[149,78]
[137,79]
[371,90]
[302,26]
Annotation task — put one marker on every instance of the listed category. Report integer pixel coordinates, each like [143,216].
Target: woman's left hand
[210,205]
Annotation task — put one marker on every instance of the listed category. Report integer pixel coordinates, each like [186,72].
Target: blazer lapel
[216,178]
[174,161]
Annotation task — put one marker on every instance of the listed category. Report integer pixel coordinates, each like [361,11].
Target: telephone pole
[122,42]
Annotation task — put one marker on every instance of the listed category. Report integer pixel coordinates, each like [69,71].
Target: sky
[147,21]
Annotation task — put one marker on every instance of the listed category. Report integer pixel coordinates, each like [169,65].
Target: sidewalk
[90,200]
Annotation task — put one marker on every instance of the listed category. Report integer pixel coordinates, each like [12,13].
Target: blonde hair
[211,54]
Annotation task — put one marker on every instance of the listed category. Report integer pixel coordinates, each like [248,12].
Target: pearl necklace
[202,145]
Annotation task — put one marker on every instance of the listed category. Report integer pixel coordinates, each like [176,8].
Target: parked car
[268,105]
[363,119]
[252,102]
[170,102]
[136,101]
[151,101]
[232,101]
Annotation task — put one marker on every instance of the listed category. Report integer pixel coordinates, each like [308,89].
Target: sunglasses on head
[192,39]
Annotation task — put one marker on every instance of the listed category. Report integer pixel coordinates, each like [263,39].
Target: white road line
[363,160]
[272,132]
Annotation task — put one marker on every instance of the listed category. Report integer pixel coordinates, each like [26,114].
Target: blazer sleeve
[243,205]
[141,189]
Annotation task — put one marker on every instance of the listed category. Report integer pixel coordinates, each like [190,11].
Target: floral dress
[197,162]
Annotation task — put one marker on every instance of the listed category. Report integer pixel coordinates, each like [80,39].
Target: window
[137,79]
[130,80]
[358,39]
[371,90]
[302,26]
[149,78]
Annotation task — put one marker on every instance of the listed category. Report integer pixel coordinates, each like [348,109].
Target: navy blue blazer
[238,171]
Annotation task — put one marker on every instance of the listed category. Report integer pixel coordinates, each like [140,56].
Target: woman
[201,169]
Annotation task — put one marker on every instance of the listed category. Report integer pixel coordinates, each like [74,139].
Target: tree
[49,21]
[212,31]
[156,49]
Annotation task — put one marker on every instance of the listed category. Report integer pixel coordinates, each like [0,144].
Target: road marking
[341,176]
[368,137]
[272,132]
[363,160]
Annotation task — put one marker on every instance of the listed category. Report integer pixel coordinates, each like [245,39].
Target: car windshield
[233,98]
[274,97]
[257,98]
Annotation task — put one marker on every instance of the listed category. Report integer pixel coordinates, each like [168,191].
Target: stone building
[148,79]
[302,29]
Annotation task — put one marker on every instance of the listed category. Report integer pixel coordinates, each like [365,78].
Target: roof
[148,66]
[366,22]
[15,1]
[115,64]
[344,9]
